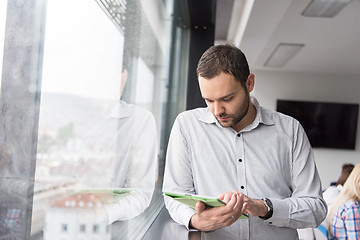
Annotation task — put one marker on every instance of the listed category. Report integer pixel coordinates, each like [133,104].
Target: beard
[233,119]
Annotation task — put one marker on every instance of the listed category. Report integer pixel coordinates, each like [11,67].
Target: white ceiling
[332,45]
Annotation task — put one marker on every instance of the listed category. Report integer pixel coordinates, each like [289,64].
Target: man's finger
[230,197]
[240,201]
[245,207]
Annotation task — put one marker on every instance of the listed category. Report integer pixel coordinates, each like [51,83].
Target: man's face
[226,98]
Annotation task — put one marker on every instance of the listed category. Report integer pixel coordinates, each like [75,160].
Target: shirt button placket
[241,164]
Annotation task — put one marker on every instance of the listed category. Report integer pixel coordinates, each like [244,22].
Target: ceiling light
[282,54]
[238,21]
[324,8]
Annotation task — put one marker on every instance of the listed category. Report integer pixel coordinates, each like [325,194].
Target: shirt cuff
[186,216]
[281,215]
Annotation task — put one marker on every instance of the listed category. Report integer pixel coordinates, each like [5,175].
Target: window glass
[86,115]
[3,6]
[83,52]
[102,95]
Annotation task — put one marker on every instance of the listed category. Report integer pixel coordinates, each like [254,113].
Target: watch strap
[269,206]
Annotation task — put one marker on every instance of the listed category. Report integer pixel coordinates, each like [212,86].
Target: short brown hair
[224,58]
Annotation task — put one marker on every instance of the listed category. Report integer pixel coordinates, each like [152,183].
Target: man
[259,161]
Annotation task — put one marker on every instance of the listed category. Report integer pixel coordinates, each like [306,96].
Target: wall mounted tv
[327,125]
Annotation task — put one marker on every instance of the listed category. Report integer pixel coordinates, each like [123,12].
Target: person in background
[345,212]
[331,193]
[258,161]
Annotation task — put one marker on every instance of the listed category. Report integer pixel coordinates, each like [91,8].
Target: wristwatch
[269,206]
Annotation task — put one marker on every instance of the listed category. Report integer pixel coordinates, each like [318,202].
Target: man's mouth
[223,118]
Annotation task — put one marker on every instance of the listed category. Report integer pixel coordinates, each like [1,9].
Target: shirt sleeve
[178,175]
[338,227]
[305,207]
[351,217]
[140,174]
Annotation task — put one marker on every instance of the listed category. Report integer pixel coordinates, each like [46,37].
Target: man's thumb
[199,207]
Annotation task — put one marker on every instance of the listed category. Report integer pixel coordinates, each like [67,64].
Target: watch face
[269,203]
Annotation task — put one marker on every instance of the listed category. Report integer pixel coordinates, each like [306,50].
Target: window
[92,91]
[96,61]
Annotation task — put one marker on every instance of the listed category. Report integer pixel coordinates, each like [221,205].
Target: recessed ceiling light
[282,54]
[324,8]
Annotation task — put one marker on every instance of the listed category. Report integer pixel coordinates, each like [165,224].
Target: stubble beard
[234,119]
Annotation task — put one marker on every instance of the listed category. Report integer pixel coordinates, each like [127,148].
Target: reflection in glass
[97,155]
[74,81]
[112,172]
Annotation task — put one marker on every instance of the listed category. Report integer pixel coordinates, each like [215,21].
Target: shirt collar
[261,116]
[207,116]
[121,110]
[340,187]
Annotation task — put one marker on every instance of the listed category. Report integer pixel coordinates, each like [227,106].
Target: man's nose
[218,108]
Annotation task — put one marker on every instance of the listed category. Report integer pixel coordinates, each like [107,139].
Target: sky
[83,50]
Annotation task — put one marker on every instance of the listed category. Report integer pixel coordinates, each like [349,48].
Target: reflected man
[119,159]
[128,139]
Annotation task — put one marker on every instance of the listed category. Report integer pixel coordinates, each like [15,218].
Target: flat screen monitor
[327,125]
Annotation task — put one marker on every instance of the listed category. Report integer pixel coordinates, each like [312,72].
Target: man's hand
[209,219]
[256,207]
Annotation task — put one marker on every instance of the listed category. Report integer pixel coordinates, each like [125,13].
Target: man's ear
[250,82]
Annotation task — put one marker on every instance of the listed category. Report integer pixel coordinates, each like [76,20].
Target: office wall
[273,85]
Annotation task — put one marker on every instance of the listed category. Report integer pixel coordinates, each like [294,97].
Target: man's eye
[227,99]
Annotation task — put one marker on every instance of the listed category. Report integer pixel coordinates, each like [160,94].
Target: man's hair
[223,58]
[346,170]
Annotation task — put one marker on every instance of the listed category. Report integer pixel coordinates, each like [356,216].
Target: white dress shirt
[271,158]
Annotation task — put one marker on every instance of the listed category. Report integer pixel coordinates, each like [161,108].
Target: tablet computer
[192,199]
[104,195]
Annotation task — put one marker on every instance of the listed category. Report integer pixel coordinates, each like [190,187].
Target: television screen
[327,125]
